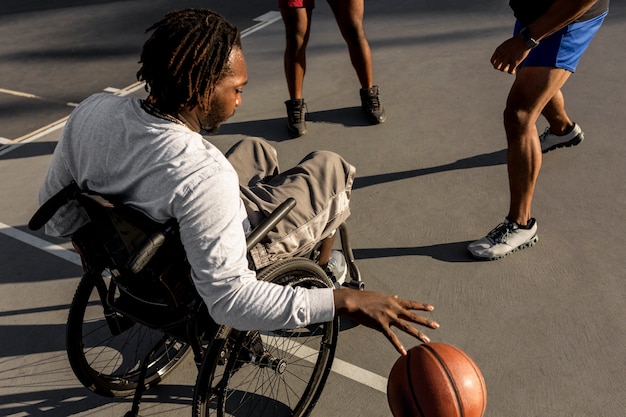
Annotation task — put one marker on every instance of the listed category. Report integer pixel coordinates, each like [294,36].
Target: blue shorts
[564,48]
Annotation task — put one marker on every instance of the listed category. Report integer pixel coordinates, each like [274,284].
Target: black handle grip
[268,224]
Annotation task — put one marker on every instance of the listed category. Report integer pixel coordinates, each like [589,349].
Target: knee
[515,117]
[330,158]
[332,163]
[354,34]
[296,41]
[257,148]
[251,142]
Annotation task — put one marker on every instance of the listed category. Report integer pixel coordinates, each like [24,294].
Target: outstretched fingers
[404,320]
[405,327]
[406,313]
[382,312]
[393,339]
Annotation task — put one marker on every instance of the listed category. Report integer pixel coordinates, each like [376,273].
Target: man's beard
[214,118]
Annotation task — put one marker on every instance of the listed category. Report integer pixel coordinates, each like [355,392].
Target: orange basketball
[436,380]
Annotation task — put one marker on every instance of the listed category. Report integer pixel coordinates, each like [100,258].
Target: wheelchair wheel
[107,358]
[279,373]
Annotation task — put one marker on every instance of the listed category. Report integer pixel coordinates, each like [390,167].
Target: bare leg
[532,90]
[325,250]
[555,114]
[349,17]
[297,29]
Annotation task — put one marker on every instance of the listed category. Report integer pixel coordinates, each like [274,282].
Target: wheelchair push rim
[280,373]
[108,363]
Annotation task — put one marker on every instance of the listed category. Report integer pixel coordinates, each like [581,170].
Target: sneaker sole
[577,140]
[524,245]
[373,120]
[295,133]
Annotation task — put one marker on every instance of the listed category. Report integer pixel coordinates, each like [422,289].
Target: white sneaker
[337,268]
[550,141]
[506,238]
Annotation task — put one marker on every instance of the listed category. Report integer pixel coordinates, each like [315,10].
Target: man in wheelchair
[151,154]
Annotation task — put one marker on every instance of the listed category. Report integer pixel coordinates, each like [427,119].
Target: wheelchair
[136,315]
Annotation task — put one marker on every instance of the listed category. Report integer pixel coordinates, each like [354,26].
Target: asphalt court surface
[546,325]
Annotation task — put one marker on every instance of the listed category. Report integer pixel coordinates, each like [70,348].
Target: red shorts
[283,4]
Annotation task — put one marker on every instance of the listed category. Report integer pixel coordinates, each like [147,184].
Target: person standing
[550,36]
[296,15]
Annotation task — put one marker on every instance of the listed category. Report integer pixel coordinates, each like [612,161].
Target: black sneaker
[296,115]
[370,104]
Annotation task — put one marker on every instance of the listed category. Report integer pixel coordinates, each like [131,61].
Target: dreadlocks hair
[185,57]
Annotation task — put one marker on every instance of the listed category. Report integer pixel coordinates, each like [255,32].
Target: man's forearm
[559,15]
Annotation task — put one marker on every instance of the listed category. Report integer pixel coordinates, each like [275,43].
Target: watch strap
[530,41]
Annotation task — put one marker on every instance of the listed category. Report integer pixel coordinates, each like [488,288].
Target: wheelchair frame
[239,372]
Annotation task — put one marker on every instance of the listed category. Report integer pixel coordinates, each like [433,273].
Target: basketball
[436,380]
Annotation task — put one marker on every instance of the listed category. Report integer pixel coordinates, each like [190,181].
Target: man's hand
[510,54]
[381,312]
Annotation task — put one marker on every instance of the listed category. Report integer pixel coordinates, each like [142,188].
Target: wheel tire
[230,384]
[109,364]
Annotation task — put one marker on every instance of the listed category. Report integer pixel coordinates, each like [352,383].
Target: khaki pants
[321,184]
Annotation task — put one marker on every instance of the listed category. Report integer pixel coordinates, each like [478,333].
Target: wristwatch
[528,38]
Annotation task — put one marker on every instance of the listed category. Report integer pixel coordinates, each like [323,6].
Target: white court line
[59,124]
[264,20]
[360,375]
[340,367]
[34,241]
[34,96]
[52,127]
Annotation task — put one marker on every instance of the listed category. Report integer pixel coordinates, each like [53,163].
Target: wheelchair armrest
[144,253]
[270,222]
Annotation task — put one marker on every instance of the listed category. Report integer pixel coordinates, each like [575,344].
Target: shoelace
[501,232]
[297,113]
[373,101]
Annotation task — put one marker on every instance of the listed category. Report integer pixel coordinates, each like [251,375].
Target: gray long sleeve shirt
[112,146]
